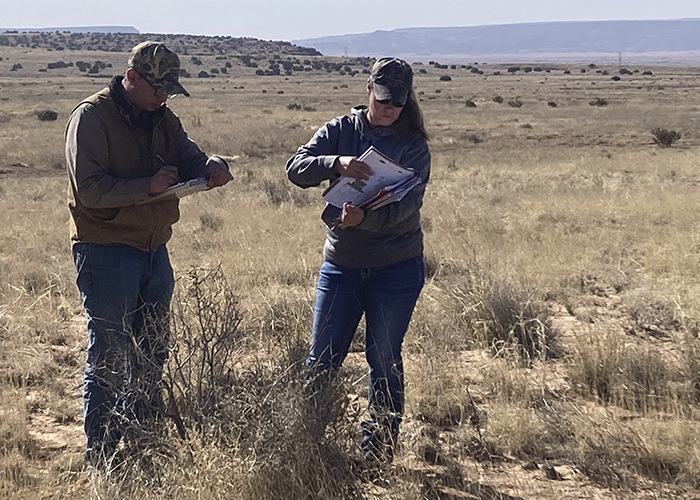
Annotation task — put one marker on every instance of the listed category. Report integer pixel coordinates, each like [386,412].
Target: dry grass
[557,331]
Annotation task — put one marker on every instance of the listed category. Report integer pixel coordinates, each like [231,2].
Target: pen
[161,160]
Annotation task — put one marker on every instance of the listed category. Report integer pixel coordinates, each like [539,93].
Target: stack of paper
[389,182]
[392,193]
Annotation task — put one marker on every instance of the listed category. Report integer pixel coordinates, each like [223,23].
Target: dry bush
[47,115]
[205,336]
[282,191]
[211,221]
[258,425]
[664,137]
[599,101]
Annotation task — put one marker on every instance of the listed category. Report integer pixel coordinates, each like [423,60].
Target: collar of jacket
[363,127]
[145,120]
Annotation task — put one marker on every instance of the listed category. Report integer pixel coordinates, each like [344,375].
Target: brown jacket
[110,158]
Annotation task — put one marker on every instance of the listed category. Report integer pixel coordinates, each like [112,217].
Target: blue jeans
[386,296]
[126,295]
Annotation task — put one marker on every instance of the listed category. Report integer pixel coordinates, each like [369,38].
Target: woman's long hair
[410,121]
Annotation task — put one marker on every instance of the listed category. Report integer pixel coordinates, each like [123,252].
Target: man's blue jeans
[387,296]
[126,295]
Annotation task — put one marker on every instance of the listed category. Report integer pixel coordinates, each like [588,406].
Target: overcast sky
[297,19]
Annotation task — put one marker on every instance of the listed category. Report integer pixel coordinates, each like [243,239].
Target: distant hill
[78,29]
[122,41]
[552,37]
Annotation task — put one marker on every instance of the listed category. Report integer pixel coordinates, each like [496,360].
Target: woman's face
[381,113]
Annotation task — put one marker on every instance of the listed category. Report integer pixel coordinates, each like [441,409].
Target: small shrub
[515,103]
[470,104]
[277,191]
[47,115]
[473,138]
[665,138]
[211,221]
[498,99]
[445,78]
[599,101]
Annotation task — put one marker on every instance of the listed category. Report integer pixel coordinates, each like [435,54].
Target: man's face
[143,96]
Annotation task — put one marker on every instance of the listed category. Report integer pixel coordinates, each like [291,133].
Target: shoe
[378,442]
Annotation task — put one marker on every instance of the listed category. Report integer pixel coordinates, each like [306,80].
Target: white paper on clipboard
[181,189]
[385,172]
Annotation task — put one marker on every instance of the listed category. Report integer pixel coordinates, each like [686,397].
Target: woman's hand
[350,166]
[350,216]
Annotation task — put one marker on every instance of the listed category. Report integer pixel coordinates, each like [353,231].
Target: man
[124,145]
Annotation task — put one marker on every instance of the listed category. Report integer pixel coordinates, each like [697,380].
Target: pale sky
[298,19]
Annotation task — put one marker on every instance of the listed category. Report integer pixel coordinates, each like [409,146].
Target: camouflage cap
[391,79]
[159,66]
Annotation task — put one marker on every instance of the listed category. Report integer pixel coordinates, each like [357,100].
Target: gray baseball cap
[159,66]
[391,79]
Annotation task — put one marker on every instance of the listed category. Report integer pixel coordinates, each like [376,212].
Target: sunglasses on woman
[385,102]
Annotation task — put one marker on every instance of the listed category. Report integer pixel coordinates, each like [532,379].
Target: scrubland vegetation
[554,351]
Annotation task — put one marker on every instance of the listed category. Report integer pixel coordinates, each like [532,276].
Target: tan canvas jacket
[110,161]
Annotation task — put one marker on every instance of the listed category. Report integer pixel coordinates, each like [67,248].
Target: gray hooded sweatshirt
[387,235]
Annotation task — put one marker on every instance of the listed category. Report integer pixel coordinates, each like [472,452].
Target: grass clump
[508,318]
[631,377]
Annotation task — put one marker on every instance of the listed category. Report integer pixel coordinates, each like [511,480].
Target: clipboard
[181,189]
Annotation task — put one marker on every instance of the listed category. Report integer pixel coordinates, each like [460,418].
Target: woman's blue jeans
[386,296]
[126,295]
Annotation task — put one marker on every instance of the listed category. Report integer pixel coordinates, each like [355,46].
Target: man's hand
[216,172]
[165,177]
[350,166]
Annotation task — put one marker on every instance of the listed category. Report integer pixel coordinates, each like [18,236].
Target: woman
[373,258]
